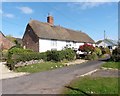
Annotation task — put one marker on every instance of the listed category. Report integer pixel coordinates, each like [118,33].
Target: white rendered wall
[103,44]
[45,44]
[61,45]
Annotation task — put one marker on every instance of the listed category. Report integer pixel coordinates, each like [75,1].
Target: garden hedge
[16,55]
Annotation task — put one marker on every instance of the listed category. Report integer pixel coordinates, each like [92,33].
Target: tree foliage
[87,48]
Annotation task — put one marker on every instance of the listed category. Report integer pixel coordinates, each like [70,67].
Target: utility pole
[104,38]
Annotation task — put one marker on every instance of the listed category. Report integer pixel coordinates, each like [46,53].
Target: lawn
[39,67]
[92,85]
[111,64]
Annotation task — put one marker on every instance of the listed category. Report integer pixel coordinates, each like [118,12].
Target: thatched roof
[47,31]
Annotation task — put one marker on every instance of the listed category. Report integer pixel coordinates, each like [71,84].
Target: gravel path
[6,73]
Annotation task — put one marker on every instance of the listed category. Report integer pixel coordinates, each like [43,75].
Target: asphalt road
[49,82]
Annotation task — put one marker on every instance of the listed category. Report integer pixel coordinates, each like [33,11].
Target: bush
[116,54]
[98,51]
[16,55]
[92,56]
[68,54]
[3,55]
[14,50]
[105,51]
[53,55]
[87,48]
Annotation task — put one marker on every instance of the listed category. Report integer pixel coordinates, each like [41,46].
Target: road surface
[48,82]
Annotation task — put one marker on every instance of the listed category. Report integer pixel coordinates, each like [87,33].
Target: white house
[41,36]
[111,44]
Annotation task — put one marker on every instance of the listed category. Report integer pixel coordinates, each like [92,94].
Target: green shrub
[14,50]
[3,55]
[92,56]
[116,54]
[98,51]
[53,55]
[105,51]
[16,55]
[11,64]
[68,54]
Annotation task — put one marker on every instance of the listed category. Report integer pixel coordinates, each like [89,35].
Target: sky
[91,18]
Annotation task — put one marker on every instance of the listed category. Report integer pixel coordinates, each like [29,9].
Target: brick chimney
[50,19]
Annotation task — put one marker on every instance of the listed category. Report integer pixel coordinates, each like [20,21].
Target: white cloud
[87,5]
[26,10]
[9,15]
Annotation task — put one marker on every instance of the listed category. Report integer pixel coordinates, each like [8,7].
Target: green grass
[114,65]
[39,67]
[93,85]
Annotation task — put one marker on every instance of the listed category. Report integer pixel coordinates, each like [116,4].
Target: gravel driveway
[6,73]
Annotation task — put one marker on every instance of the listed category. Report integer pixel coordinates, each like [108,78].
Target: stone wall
[19,64]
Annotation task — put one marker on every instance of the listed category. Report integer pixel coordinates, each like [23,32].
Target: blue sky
[91,18]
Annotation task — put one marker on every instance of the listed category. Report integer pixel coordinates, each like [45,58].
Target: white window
[54,43]
[74,44]
[68,43]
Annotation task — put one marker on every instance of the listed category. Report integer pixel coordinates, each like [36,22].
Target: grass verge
[92,85]
[111,64]
[39,67]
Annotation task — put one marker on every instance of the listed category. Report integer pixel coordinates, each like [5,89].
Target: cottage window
[74,43]
[68,43]
[53,43]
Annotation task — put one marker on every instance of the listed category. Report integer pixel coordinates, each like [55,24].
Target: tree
[116,54]
[17,44]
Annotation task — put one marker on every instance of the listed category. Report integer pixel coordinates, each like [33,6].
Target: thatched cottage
[41,36]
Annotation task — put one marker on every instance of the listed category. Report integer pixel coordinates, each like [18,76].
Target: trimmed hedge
[16,55]
[54,55]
